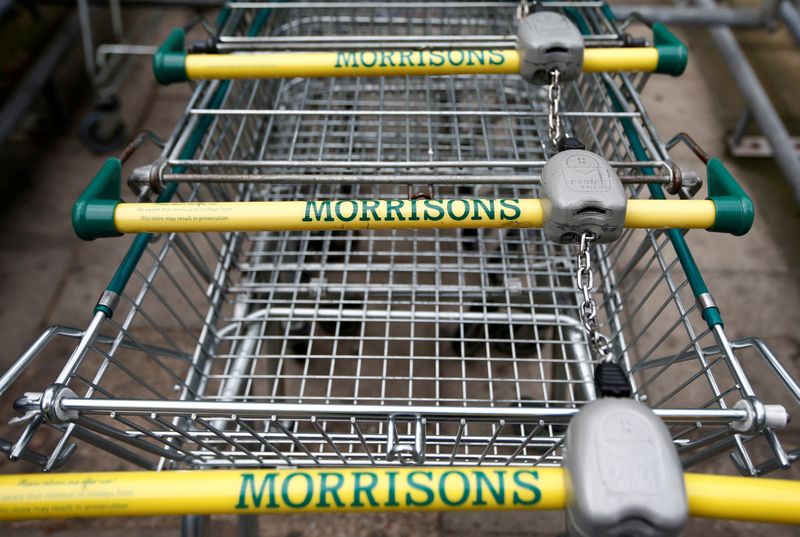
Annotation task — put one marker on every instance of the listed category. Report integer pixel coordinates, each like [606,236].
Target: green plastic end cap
[672,53]
[93,213]
[735,210]
[169,61]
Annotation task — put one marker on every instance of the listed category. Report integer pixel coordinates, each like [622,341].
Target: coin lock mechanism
[549,41]
[624,475]
[582,194]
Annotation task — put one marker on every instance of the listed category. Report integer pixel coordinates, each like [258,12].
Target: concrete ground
[48,276]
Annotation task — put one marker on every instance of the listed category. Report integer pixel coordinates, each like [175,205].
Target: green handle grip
[672,53]
[735,211]
[169,61]
[93,213]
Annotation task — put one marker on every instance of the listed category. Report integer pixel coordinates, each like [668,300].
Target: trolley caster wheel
[102,130]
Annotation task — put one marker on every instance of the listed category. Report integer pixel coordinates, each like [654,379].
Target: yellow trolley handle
[108,494]
[384,214]
[172,63]
[99,212]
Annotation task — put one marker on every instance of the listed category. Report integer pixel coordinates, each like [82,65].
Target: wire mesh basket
[395,24]
[441,346]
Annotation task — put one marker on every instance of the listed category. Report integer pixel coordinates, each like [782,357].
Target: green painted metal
[698,285]
[93,213]
[139,245]
[606,9]
[123,273]
[712,315]
[735,211]
[169,61]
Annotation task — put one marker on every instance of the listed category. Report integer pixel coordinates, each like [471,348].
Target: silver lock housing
[547,40]
[582,193]
[624,474]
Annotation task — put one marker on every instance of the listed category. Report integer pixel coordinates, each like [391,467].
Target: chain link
[523,9]
[553,102]
[588,308]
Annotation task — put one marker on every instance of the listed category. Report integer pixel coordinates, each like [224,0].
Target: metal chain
[523,9]
[553,100]
[588,308]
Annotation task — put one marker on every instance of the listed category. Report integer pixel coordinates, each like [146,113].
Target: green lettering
[364,58]
[386,58]
[452,213]
[351,216]
[437,58]
[513,207]
[464,488]
[477,55]
[372,207]
[318,207]
[410,501]
[394,206]
[436,206]
[333,490]
[414,217]
[460,56]
[486,205]
[358,489]
[249,479]
[309,490]
[392,501]
[499,493]
[343,59]
[406,55]
[421,61]
[537,494]
[496,57]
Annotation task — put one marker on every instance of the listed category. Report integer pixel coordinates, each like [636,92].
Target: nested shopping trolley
[374,292]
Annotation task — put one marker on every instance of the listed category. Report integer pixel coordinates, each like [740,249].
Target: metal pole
[791,19]
[746,17]
[758,102]
[697,16]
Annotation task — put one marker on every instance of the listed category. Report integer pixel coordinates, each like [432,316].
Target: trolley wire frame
[385,347]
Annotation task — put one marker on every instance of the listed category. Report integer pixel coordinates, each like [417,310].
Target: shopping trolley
[109,64]
[338,354]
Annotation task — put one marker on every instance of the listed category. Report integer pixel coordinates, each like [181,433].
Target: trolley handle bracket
[735,211]
[734,208]
[672,52]
[169,61]
[93,213]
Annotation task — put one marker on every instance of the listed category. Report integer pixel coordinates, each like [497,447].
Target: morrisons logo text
[418,58]
[411,210]
[388,489]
